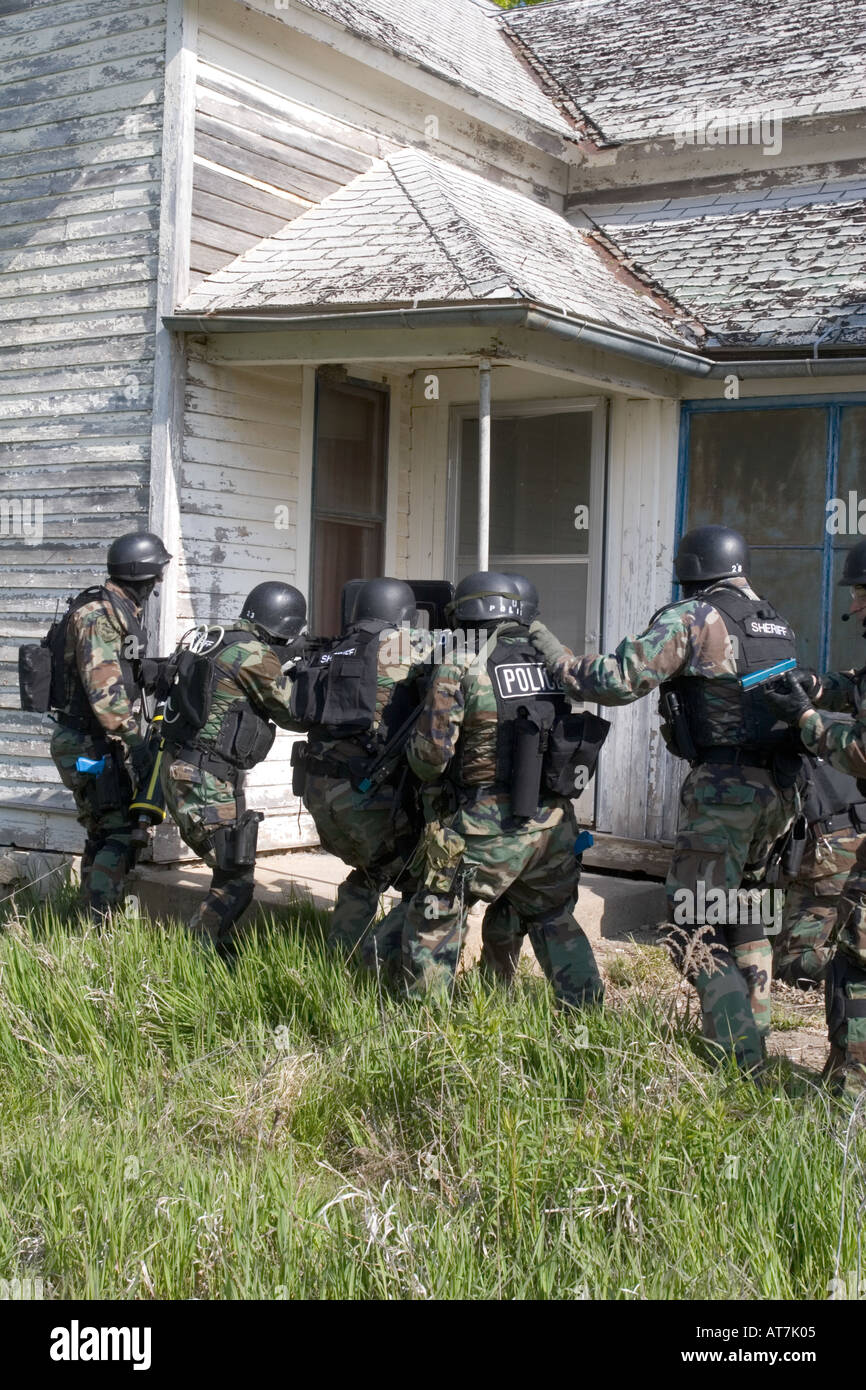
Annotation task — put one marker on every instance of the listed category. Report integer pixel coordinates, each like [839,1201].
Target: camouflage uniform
[834,812]
[377,831]
[731,813]
[479,852]
[204,792]
[99,719]
[843,745]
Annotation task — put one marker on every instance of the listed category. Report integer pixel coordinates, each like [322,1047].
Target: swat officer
[800,699]
[740,795]
[98,748]
[501,929]
[508,835]
[834,813]
[354,699]
[218,723]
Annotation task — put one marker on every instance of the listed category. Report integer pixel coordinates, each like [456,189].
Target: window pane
[761,471]
[847,648]
[791,580]
[852,456]
[350,454]
[539,473]
[561,595]
[342,551]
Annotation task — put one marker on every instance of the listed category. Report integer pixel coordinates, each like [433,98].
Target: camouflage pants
[501,940]
[200,803]
[108,853]
[804,948]
[537,875]
[377,836]
[729,821]
[846,983]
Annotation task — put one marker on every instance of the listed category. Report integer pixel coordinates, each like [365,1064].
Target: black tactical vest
[334,693]
[523,691]
[733,716]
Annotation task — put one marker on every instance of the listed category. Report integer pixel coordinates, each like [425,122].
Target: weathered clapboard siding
[81,89]
[238,517]
[282,121]
[260,161]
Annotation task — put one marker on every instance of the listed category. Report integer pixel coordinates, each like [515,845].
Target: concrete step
[610,909]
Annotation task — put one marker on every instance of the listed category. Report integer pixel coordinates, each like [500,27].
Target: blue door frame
[834,404]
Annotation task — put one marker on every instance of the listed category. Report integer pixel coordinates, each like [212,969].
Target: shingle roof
[780,266]
[415,230]
[633,67]
[459,40]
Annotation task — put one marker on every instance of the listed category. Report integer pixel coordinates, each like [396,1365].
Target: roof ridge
[426,217]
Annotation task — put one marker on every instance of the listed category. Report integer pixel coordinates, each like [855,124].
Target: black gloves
[787,698]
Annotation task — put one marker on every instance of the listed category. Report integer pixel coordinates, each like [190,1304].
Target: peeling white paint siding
[282,121]
[238,493]
[638,792]
[81,105]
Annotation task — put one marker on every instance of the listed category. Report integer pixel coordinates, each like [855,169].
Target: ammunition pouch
[574,742]
[110,789]
[299,769]
[234,846]
[245,738]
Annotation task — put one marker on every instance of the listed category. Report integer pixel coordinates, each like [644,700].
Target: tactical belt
[743,757]
[208,762]
[327,767]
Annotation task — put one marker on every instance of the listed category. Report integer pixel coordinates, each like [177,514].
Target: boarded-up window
[348,524]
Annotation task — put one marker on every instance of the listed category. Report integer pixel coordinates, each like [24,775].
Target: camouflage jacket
[841,742]
[248,668]
[460,709]
[92,665]
[404,655]
[688,638]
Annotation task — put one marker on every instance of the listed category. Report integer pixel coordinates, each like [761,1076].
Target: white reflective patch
[518,679]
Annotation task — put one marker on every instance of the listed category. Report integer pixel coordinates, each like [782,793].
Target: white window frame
[594,559]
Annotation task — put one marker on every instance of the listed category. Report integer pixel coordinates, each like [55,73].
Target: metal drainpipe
[483,462]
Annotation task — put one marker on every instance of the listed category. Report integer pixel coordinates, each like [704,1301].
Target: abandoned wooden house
[260,263]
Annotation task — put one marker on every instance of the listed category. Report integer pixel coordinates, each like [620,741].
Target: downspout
[483,462]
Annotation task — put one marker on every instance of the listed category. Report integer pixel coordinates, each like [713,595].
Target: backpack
[41,676]
[245,736]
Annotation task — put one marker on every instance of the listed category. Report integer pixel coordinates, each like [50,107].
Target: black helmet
[711,552]
[278,609]
[528,597]
[385,600]
[138,555]
[486,597]
[854,570]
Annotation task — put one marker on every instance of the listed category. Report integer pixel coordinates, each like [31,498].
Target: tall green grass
[174,1128]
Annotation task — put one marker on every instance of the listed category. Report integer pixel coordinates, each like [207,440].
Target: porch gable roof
[415,231]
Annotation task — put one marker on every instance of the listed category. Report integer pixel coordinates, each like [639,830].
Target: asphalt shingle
[632,70]
[780,273]
[459,40]
[455,238]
